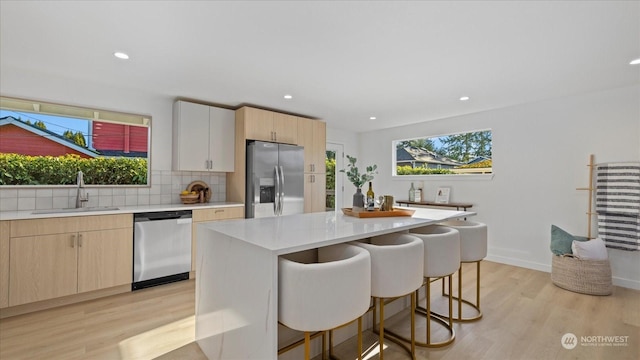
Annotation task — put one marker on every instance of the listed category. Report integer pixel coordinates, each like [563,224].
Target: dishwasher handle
[164,215]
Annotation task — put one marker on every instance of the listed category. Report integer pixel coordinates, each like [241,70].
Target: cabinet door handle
[73,240]
[80,240]
[218,211]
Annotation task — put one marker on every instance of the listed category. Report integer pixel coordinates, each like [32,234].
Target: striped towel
[618,205]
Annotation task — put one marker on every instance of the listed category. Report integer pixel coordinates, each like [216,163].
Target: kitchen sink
[73,210]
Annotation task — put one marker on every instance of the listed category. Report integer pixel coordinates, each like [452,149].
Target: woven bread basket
[190,198]
[591,277]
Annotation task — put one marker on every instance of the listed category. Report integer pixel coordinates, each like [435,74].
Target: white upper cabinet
[203,138]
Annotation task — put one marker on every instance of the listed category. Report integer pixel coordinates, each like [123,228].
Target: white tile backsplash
[118,200]
[26,203]
[9,194]
[60,202]
[24,193]
[166,185]
[105,201]
[9,204]
[44,193]
[44,202]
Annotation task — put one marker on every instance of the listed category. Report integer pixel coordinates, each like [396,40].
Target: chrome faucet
[81,199]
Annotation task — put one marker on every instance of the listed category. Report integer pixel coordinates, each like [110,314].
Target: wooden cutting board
[377,213]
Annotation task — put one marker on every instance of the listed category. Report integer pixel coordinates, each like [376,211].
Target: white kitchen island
[237,272]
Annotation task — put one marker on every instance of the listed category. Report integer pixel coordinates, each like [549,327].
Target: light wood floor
[525,316]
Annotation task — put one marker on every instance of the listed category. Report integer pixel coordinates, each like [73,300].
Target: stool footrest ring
[464,319]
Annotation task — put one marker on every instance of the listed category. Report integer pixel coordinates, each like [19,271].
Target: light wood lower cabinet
[105,259]
[42,267]
[47,262]
[204,215]
[4,263]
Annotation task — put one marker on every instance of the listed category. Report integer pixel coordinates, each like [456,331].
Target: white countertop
[29,214]
[287,234]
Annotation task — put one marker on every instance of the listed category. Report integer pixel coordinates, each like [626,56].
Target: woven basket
[591,277]
[190,199]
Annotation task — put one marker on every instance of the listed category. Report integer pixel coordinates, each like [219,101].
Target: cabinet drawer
[218,214]
[69,224]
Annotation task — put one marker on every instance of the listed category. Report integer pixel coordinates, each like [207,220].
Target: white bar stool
[324,293]
[441,259]
[473,248]
[396,271]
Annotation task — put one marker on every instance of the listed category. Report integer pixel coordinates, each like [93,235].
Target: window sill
[469,177]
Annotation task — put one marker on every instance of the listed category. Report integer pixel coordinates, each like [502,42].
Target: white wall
[540,152]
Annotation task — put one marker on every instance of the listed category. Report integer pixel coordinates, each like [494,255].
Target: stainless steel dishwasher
[161,248]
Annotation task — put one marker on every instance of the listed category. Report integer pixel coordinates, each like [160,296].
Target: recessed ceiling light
[288,97]
[372,118]
[635,62]
[464,98]
[121,55]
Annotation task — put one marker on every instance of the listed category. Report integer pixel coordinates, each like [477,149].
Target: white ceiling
[403,62]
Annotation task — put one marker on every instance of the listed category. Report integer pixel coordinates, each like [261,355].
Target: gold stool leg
[450,302]
[478,287]
[307,345]
[330,344]
[324,345]
[375,313]
[414,298]
[427,289]
[459,293]
[381,328]
[360,338]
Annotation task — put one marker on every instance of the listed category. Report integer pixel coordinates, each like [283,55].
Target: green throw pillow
[561,241]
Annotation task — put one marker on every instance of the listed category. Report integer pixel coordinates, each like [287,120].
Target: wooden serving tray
[377,213]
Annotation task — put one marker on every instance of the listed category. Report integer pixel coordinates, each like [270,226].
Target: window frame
[79,112]
[439,177]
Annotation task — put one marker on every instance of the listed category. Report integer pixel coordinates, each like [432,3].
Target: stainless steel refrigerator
[275,179]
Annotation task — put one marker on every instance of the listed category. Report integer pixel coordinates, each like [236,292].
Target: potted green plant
[358,179]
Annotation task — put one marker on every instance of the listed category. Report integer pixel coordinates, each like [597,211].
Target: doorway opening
[334,162]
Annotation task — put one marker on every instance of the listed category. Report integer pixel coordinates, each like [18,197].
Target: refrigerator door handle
[281,190]
[276,199]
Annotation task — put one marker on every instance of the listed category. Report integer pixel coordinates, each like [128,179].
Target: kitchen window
[463,154]
[47,144]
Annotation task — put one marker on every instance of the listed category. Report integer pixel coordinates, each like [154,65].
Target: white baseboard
[520,263]
[626,283]
[617,281]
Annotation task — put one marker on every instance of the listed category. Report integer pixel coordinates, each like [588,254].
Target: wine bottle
[412,193]
[370,198]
